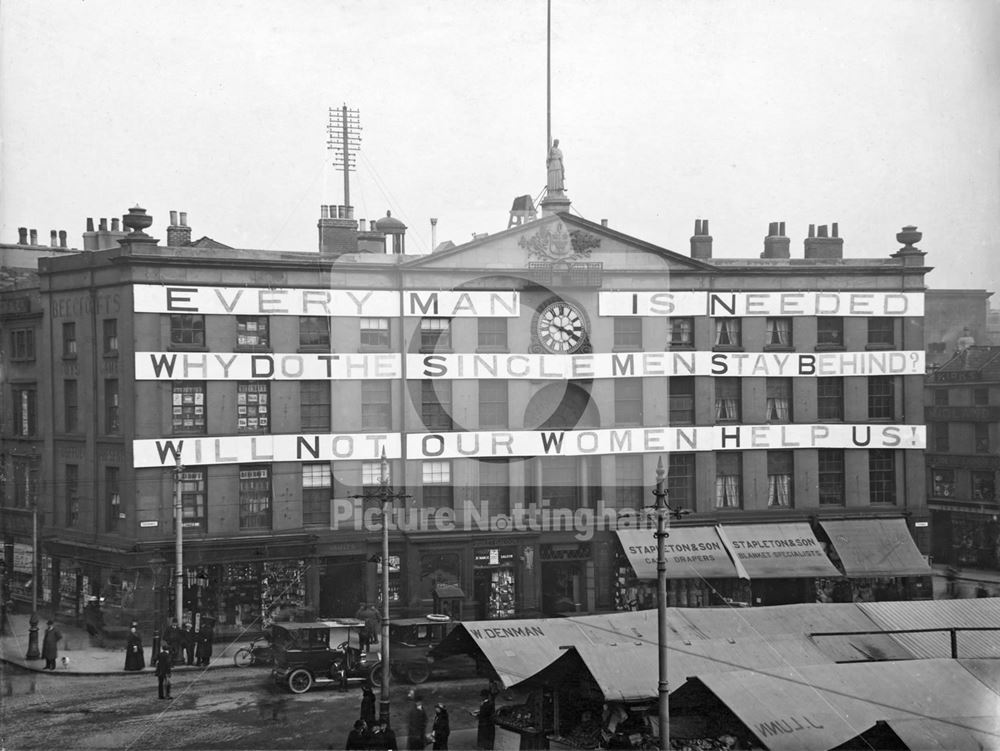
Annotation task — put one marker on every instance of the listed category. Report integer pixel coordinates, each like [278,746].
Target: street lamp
[385,496]
[33,653]
[663,510]
[156,564]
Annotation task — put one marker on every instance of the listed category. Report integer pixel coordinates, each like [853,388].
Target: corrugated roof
[943,614]
[876,547]
[964,734]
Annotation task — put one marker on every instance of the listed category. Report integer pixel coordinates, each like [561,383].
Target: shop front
[567,578]
[494,581]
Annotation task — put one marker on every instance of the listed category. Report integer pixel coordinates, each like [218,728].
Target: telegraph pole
[344,131]
[33,653]
[179,543]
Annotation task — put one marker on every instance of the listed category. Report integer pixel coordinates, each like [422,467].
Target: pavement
[83,657]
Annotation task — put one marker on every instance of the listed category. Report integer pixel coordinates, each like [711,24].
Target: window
[435,333]
[255,496]
[314,332]
[371,476]
[436,476]
[728,401]
[493,404]
[981,437]
[22,344]
[112,494]
[253,408]
[194,498]
[728,332]
[881,398]
[25,479]
[69,339]
[881,332]
[25,410]
[376,405]
[831,477]
[112,423]
[980,397]
[556,479]
[316,493]
[252,332]
[681,400]
[941,397]
[110,336]
[71,492]
[728,480]
[374,333]
[779,479]
[71,407]
[628,333]
[628,401]
[681,332]
[187,330]
[778,332]
[984,487]
[779,400]
[494,484]
[435,404]
[830,398]
[941,432]
[680,481]
[630,490]
[943,483]
[829,331]
[882,475]
[314,406]
[492,333]
[188,407]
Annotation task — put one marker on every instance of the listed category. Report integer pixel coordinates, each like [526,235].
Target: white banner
[155,298]
[162,452]
[775,304]
[245,449]
[238,366]
[643,364]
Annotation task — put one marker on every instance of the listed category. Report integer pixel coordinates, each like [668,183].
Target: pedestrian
[135,658]
[368,705]
[50,645]
[172,637]
[164,667]
[486,730]
[356,738]
[382,737]
[205,637]
[368,634]
[188,643]
[417,723]
[440,730]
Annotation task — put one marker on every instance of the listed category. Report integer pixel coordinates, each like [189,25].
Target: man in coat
[416,736]
[50,646]
[205,638]
[486,730]
[172,638]
[357,738]
[135,659]
[440,729]
[368,705]
[164,667]
[373,622]
[188,639]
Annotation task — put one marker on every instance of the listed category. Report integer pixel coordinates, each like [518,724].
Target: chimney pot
[776,245]
[62,238]
[781,228]
[173,218]
[114,224]
[704,227]
[90,224]
[772,229]
[604,222]
[812,230]
[53,238]
[324,212]
[22,235]
[836,230]
[821,230]
[184,219]
[372,227]
[821,246]
[348,212]
[103,226]
[33,233]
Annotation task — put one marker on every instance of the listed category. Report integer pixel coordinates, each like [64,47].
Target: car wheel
[243,658]
[418,672]
[375,674]
[300,681]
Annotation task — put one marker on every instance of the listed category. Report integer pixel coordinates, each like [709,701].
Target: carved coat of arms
[556,244]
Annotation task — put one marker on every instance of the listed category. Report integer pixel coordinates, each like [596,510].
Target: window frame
[25,412]
[680,332]
[831,478]
[258,399]
[69,342]
[724,493]
[682,480]
[492,341]
[435,334]
[498,495]
[375,333]
[882,477]
[780,479]
[494,409]
[112,498]
[109,337]
[830,392]
[112,407]
[728,333]
[943,482]
[179,413]
[629,482]
[71,405]
[261,341]
[187,331]
[321,334]
[779,389]
[779,327]
[315,406]
[194,500]
[627,333]
[881,397]
[829,332]
[316,478]
[435,411]
[376,413]
[687,409]
[881,332]
[722,386]
[255,505]
[628,404]
[22,345]
[437,490]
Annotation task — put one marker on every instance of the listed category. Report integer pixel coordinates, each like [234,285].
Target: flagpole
[548,79]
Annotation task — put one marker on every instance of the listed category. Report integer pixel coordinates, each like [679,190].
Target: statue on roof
[557,173]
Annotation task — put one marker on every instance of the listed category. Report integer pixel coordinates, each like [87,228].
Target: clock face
[561,328]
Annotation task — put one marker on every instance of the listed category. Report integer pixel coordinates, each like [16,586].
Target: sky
[874,115]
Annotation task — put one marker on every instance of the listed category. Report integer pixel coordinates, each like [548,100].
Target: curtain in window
[727,331]
[779,490]
[725,408]
[727,491]
[777,408]
[779,331]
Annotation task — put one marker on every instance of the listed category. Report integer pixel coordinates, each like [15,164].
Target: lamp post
[156,564]
[663,511]
[33,653]
[385,496]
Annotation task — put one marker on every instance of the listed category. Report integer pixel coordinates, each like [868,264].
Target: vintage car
[410,642]
[317,653]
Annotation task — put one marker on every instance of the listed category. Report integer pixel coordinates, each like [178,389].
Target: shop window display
[282,590]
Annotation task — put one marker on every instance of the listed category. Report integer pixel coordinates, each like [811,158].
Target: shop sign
[494,556]
[23,558]
[566,552]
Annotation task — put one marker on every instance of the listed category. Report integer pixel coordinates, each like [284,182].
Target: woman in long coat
[135,659]
[204,644]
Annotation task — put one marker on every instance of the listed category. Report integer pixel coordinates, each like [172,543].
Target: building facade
[522,388]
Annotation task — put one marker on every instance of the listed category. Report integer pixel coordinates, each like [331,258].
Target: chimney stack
[178,233]
[22,235]
[62,238]
[701,241]
[338,230]
[434,226]
[776,245]
[821,246]
[53,239]
[33,235]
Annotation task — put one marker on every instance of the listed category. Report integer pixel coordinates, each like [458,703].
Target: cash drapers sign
[236,366]
[163,452]
[722,304]
[626,365]
[153,298]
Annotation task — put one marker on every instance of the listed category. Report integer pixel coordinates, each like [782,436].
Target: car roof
[334,623]
[422,621]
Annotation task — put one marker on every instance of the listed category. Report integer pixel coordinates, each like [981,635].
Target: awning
[875,547]
[961,734]
[691,553]
[780,551]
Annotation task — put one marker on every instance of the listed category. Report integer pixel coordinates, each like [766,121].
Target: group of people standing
[183,646]
[369,733]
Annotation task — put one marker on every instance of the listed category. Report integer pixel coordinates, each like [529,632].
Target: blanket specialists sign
[163,452]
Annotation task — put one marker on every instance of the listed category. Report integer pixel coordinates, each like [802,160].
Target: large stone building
[523,388]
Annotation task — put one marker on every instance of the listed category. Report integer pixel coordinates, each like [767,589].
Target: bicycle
[254,654]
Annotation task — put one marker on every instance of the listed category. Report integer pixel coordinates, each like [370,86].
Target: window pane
[728,399]
[882,475]
[628,401]
[629,482]
[728,480]
[110,335]
[494,484]
[493,333]
[880,332]
[682,332]
[374,333]
[779,479]
[681,400]
[727,332]
[376,405]
[493,404]
[314,405]
[943,483]
[194,498]
[70,406]
[435,333]
[881,397]
[680,481]
[831,477]
[314,331]
[111,421]
[830,331]
[113,499]
[316,493]
[255,496]
[436,404]
[187,330]
[779,400]
[830,398]
[778,332]
[628,333]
